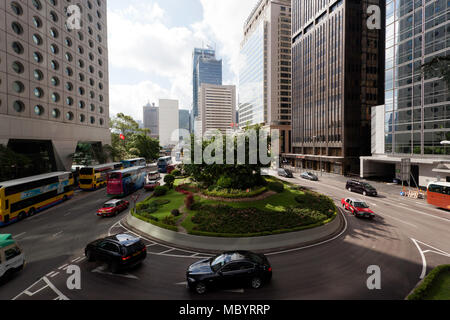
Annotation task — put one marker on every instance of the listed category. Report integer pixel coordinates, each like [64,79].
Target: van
[11,257]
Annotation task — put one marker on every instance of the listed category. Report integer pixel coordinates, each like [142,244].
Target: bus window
[115,176]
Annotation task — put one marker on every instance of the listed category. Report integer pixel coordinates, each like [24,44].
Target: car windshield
[368,186]
[218,262]
[108,205]
[361,205]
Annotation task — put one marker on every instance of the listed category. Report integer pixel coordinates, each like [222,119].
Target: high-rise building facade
[338,75]
[151,119]
[217,107]
[416,113]
[185,120]
[265,69]
[206,69]
[168,122]
[53,79]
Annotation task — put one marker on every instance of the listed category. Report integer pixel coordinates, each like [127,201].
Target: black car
[229,270]
[309,176]
[285,173]
[120,251]
[361,187]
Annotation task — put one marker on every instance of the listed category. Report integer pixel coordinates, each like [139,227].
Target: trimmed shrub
[424,288]
[169,180]
[176,173]
[168,220]
[160,191]
[175,212]
[224,182]
[161,202]
[189,201]
[278,187]
[235,193]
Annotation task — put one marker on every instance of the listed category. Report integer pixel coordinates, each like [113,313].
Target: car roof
[123,239]
[113,201]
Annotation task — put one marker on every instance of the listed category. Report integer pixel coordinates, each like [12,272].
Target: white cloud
[139,40]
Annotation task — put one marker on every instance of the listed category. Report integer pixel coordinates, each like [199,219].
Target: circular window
[100,62]
[54,33]
[18,87]
[81,91]
[90,31]
[92,107]
[55,65]
[100,97]
[100,50]
[17,28]
[37,22]
[69,116]
[81,63]
[54,81]
[100,74]
[16,8]
[55,97]
[101,122]
[91,56]
[80,50]
[81,77]
[54,2]
[68,42]
[18,106]
[38,110]
[99,38]
[69,101]
[38,93]
[82,118]
[37,57]
[69,86]
[80,36]
[100,109]
[92,120]
[17,47]
[99,26]
[90,18]
[53,16]
[69,71]
[68,56]
[38,75]
[37,39]
[92,94]
[18,67]
[99,14]
[91,43]
[81,104]
[91,82]
[37,4]
[100,86]
[54,48]
[56,113]
[89,5]
[91,69]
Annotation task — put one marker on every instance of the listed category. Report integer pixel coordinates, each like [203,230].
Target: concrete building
[206,69]
[53,80]
[338,75]
[151,119]
[217,107]
[415,117]
[265,72]
[168,122]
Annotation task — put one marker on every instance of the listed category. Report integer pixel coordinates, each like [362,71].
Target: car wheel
[32,212]
[350,189]
[89,256]
[256,283]
[200,288]
[22,216]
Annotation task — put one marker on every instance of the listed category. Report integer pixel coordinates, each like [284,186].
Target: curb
[266,244]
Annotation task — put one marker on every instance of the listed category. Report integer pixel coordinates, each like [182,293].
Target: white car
[11,256]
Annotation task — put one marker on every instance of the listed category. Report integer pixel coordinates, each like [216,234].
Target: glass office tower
[206,69]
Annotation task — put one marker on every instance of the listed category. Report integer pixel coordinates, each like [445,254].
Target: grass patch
[435,286]
[172,200]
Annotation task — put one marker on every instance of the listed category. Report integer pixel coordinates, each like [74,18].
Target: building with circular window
[43,68]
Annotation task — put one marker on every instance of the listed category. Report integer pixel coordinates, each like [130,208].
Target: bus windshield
[115,176]
[86,171]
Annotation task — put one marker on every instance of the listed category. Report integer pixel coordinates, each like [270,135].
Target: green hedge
[276,186]
[261,234]
[424,288]
[154,222]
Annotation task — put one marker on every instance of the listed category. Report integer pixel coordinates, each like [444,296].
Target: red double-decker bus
[126,181]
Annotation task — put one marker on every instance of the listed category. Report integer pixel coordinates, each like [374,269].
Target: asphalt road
[405,234]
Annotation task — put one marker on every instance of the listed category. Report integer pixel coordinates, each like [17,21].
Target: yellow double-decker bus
[94,177]
[25,197]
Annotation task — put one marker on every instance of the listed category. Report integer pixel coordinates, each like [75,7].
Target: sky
[151,42]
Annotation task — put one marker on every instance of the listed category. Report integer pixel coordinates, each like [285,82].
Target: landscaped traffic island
[274,207]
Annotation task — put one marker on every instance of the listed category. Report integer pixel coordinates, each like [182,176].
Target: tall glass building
[417,108]
[206,69]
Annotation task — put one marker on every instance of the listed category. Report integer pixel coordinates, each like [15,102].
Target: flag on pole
[122,137]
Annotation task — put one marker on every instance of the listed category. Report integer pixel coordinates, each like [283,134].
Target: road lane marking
[61,296]
[77,259]
[54,275]
[167,251]
[19,235]
[57,234]
[63,266]
[422,255]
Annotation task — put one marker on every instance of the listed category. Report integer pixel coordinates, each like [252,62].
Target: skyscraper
[338,65]
[185,120]
[265,72]
[217,107]
[151,119]
[415,117]
[168,122]
[206,69]
[53,79]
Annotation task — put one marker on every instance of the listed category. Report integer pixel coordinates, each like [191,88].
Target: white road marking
[57,234]
[19,235]
[50,274]
[184,283]
[48,284]
[68,213]
[164,252]
[77,259]
[63,266]
[54,275]
[61,296]
[235,290]
[422,255]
